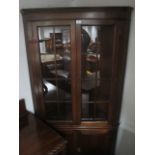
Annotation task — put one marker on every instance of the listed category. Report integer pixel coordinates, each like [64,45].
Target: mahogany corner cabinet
[77,60]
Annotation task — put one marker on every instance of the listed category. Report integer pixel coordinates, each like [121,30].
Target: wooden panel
[89,142]
[77,13]
[22,108]
[22,113]
[70,147]
[37,138]
[94,144]
[119,63]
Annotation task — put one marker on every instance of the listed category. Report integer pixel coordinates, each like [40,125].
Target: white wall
[125,140]
[68,3]
[24,81]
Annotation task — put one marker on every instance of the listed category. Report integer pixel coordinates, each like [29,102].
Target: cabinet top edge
[68,9]
[123,13]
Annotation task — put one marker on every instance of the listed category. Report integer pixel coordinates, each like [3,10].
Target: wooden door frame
[35,68]
[121,29]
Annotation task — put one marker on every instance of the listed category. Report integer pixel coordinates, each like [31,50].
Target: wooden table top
[36,138]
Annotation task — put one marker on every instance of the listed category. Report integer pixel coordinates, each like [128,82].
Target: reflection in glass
[96,71]
[55,55]
[94,111]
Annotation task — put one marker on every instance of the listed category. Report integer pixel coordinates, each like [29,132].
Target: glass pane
[95,90]
[59,110]
[96,70]
[55,53]
[87,111]
[102,92]
[101,110]
[94,111]
[45,41]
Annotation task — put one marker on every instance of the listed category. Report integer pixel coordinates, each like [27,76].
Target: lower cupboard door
[94,144]
[70,136]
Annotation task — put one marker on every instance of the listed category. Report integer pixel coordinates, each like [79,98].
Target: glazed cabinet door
[53,53]
[100,49]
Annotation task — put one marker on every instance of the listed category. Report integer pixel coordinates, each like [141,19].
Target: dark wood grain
[39,139]
[22,108]
[121,13]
